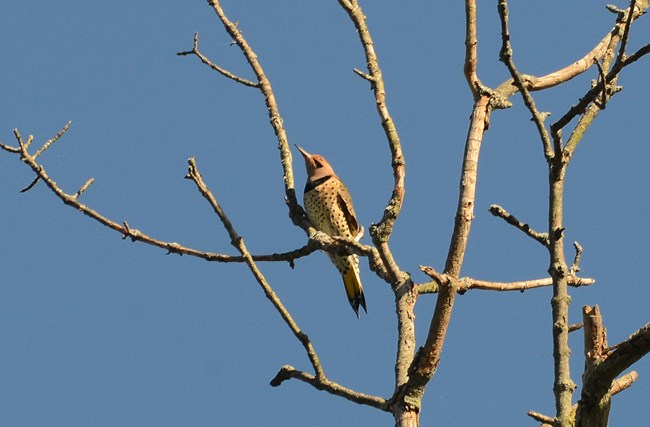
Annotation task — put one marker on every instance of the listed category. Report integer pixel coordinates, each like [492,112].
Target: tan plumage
[329,208]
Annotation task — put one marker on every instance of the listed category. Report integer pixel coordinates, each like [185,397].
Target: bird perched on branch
[329,208]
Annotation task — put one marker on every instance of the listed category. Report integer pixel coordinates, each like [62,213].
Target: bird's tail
[354,290]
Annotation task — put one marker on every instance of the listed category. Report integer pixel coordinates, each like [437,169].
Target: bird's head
[317,166]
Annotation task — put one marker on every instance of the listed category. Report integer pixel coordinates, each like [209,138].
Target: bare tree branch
[469,283]
[499,212]
[31,185]
[626,32]
[603,365]
[9,148]
[636,55]
[316,243]
[319,380]
[237,241]
[574,69]
[363,75]
[471,47]
[575,267]
[400,281]
[563,385]
[296,212]
[195,51]
[592,94]
[576,327]
[426,361]
[558,158]
[548,421]
[381,231]
[413,371]
[624,382]
[317,240]
[438,278]
[519,80]
[618,385]
[588,110]
[52,141]
[288,372]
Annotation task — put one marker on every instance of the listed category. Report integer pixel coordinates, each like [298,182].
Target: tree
[415,370]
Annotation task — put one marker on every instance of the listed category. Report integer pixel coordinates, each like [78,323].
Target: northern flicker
[329,208]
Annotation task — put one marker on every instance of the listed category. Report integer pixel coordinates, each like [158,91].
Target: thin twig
[469,283]
[9,148]
[506,57]
[603,78]
[19,138]
[438,278]
[363,75]
[541,418]
[49,142]
[641,52]
[576,327]
[499,212]
[288,372]
[575,267]
[471,47]
[31,185]
[626,32]
[195,51]
[83,188]
[30,139]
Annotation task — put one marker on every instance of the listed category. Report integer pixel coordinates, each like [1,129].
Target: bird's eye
[318,162]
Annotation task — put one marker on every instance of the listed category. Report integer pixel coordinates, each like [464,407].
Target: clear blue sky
[99,331]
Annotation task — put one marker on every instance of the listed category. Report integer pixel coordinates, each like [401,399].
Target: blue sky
[99,331]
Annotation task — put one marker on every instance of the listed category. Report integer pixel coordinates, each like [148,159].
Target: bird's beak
[305,154]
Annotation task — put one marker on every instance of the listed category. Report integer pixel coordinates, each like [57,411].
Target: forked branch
[505,56]
[296,212]
[381,231]
[469,283]
[400,281]
[195,51]
[603,364]
[558,157]
[315,243]
[319,380]
[575,68]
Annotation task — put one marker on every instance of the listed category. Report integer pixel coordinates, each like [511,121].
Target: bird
[329,208]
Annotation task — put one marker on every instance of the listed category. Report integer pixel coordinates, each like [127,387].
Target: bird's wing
[345,204]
